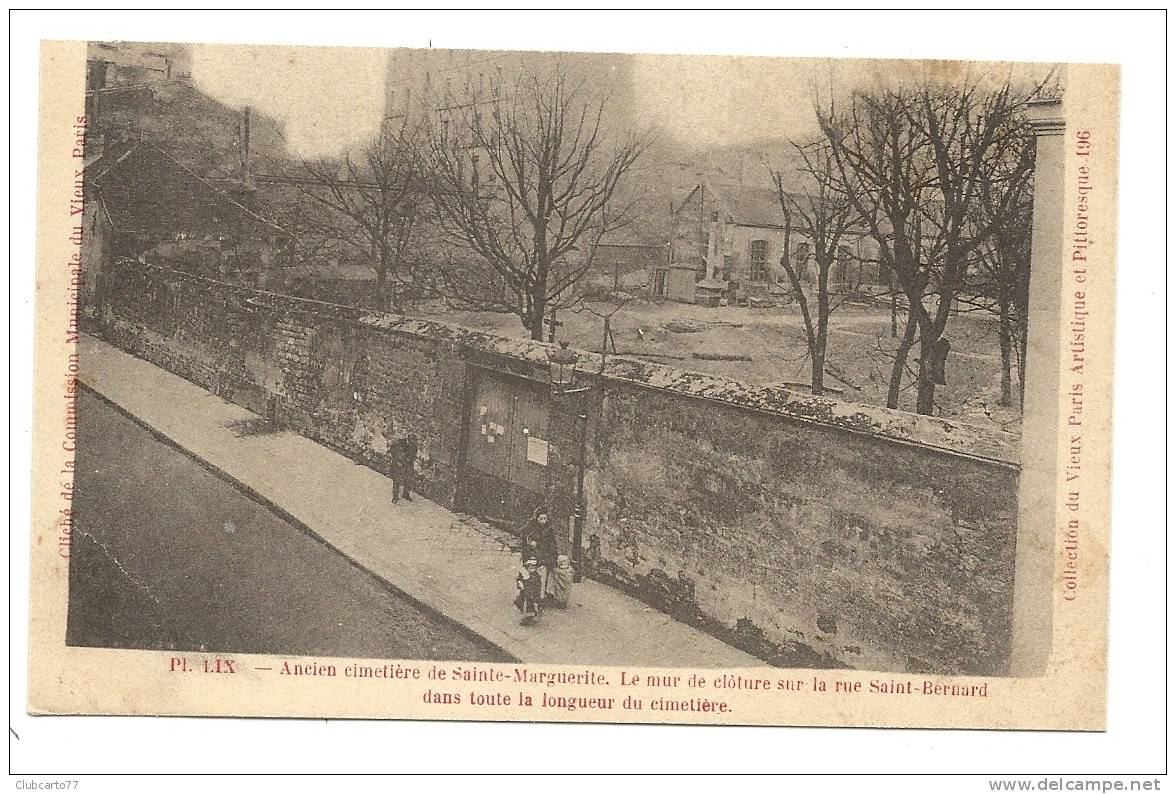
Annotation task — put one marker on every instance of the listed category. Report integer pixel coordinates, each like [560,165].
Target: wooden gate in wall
[506,458]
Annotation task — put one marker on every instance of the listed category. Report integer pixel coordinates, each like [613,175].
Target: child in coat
[530,595]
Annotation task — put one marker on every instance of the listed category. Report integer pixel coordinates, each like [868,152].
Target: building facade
[442,82]
[123,63]
[623,262]
[446,90]
[144,91]
[728,241]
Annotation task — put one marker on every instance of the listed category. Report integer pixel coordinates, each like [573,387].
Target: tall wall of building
[428,80]
[144,90]
[137,62]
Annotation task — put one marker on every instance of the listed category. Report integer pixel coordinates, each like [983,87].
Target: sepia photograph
[554,393]
[581,386]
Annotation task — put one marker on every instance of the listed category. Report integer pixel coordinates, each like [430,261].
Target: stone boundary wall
[810,531]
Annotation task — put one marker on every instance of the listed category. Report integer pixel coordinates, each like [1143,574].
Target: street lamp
[562,365]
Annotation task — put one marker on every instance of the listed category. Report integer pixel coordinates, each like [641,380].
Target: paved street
[167,555]
[456,566]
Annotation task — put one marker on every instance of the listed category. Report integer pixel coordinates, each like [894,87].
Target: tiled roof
[749,205]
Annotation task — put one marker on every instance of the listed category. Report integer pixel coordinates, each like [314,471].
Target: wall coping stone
[947,436]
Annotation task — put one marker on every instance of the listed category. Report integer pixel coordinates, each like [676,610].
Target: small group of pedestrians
[546,575]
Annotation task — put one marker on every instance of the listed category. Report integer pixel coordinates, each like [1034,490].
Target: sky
[718,100]
[331,99]
[729,100]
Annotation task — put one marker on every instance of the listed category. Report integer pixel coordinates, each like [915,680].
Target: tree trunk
[542,270]
[819,344]
[538,313]
[900,358]
[388,293]
[930,332]
[818,357]
[925,404]
[379,258]
[1006,354]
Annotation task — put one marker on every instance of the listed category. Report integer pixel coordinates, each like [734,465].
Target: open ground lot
[860,353]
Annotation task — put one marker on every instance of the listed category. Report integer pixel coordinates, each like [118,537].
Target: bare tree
[1006,192]
[824,215]
[527,183]
[375,201]
[468,282]
[911,162]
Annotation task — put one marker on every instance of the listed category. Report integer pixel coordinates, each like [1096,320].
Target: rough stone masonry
[807,530]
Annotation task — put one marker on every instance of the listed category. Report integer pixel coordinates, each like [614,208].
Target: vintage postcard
[487,385]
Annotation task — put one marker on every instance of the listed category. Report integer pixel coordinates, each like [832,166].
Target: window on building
[844,262]
[757,261]
[872,270]
[800,261]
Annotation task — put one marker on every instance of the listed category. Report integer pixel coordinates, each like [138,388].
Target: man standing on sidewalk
[404,452]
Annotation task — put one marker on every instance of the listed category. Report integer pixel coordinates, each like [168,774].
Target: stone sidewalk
[452,564]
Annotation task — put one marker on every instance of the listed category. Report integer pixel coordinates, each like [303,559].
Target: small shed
[626,258]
